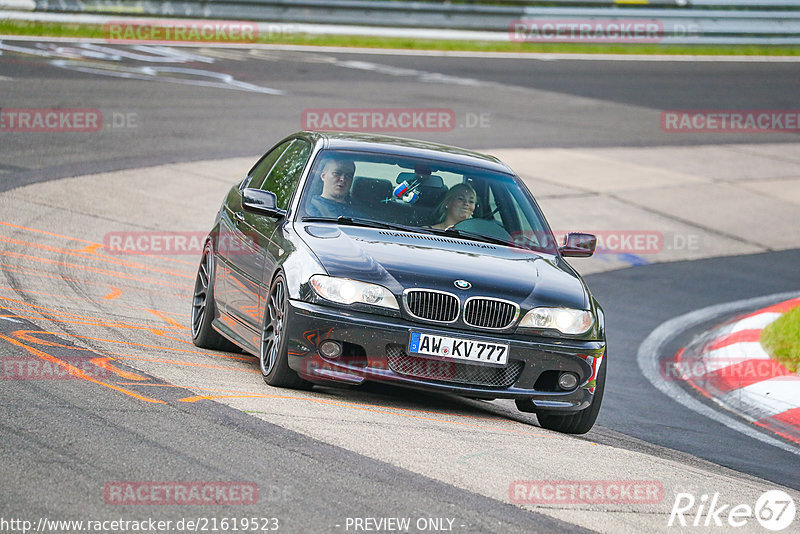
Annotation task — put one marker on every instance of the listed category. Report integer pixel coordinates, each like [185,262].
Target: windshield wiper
[453,232]
[368,223]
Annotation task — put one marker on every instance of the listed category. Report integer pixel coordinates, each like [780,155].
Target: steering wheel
[489,228]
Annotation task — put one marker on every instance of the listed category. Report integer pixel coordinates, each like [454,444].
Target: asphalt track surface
[63,440]
[549,103]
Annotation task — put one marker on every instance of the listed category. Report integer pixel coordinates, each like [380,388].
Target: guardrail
[680,21]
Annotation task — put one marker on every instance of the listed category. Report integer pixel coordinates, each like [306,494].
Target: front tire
[274,353]
[579,422]
[204,309]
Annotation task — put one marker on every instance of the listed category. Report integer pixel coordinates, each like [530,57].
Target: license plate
[458,349]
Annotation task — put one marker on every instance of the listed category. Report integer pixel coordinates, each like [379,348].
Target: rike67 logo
[774,510]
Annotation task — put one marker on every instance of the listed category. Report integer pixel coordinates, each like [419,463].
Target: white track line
[773,396]
[755,322]
[538,56]
[725,357]
[652,346]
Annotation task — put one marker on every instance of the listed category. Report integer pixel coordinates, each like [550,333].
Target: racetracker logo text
[181,31]
[175,243]
[32,368]
[586,31]
[586,492]
[50,120]
[731,121]
[379,119]
[365,366]
[723,372]
[181,493]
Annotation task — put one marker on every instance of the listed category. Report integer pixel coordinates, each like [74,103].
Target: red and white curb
[729,366]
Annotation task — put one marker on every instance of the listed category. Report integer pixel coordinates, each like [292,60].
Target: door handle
[239,216]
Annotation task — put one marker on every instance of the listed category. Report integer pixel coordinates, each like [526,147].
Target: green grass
[12,27]
[781,339]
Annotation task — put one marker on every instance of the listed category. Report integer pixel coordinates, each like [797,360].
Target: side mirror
[577,245]
[261,202]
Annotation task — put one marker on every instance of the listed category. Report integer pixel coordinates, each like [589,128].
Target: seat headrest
[370,190]
[432,180]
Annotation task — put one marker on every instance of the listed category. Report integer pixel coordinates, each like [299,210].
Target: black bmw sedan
[345,258]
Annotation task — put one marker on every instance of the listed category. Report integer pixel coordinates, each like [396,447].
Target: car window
[282,179]
[493,207]
[409,191]
[259,172]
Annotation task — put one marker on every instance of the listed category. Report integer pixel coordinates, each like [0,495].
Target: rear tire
[579,422]
[274,353]
[204,309]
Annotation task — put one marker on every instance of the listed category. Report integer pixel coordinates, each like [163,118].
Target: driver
[456,206]
[337,178]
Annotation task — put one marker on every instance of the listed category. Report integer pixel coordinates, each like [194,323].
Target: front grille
[449,371]
[490,313]
[432,305]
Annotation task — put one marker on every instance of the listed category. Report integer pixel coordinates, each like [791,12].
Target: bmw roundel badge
[462,284]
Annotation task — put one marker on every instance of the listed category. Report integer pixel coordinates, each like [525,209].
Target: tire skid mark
[27,335]
[184,363]
[97,270]
[384,410]
[105,363]
[379,408]
[162,315]
[95,321]
[54,317]
[94,256]
[74,371]
[92,246]
[53,276]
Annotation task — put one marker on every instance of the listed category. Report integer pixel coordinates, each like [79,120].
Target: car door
[255,231]
[232,245]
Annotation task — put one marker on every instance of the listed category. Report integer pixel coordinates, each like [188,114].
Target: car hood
[402,260]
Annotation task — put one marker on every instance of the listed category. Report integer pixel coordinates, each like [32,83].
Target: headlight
[346,291]
[565,320]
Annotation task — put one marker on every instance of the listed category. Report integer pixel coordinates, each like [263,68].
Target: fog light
[567,381]
[330,349]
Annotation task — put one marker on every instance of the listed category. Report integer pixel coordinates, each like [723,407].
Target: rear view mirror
[261,202]
[577,245]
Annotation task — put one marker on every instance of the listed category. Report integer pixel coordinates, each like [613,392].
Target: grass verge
[52,29]
[781,339]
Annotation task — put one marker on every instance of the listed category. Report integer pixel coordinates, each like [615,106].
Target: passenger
[456,206]
[337,178]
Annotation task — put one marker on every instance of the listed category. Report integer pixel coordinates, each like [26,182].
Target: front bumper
[375,350]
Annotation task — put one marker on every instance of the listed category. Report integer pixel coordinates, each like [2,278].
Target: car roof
[385,144]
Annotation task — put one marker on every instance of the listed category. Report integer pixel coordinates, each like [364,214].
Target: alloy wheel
[272,335]
[200,302]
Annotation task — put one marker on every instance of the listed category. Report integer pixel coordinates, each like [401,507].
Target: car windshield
[424,195]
